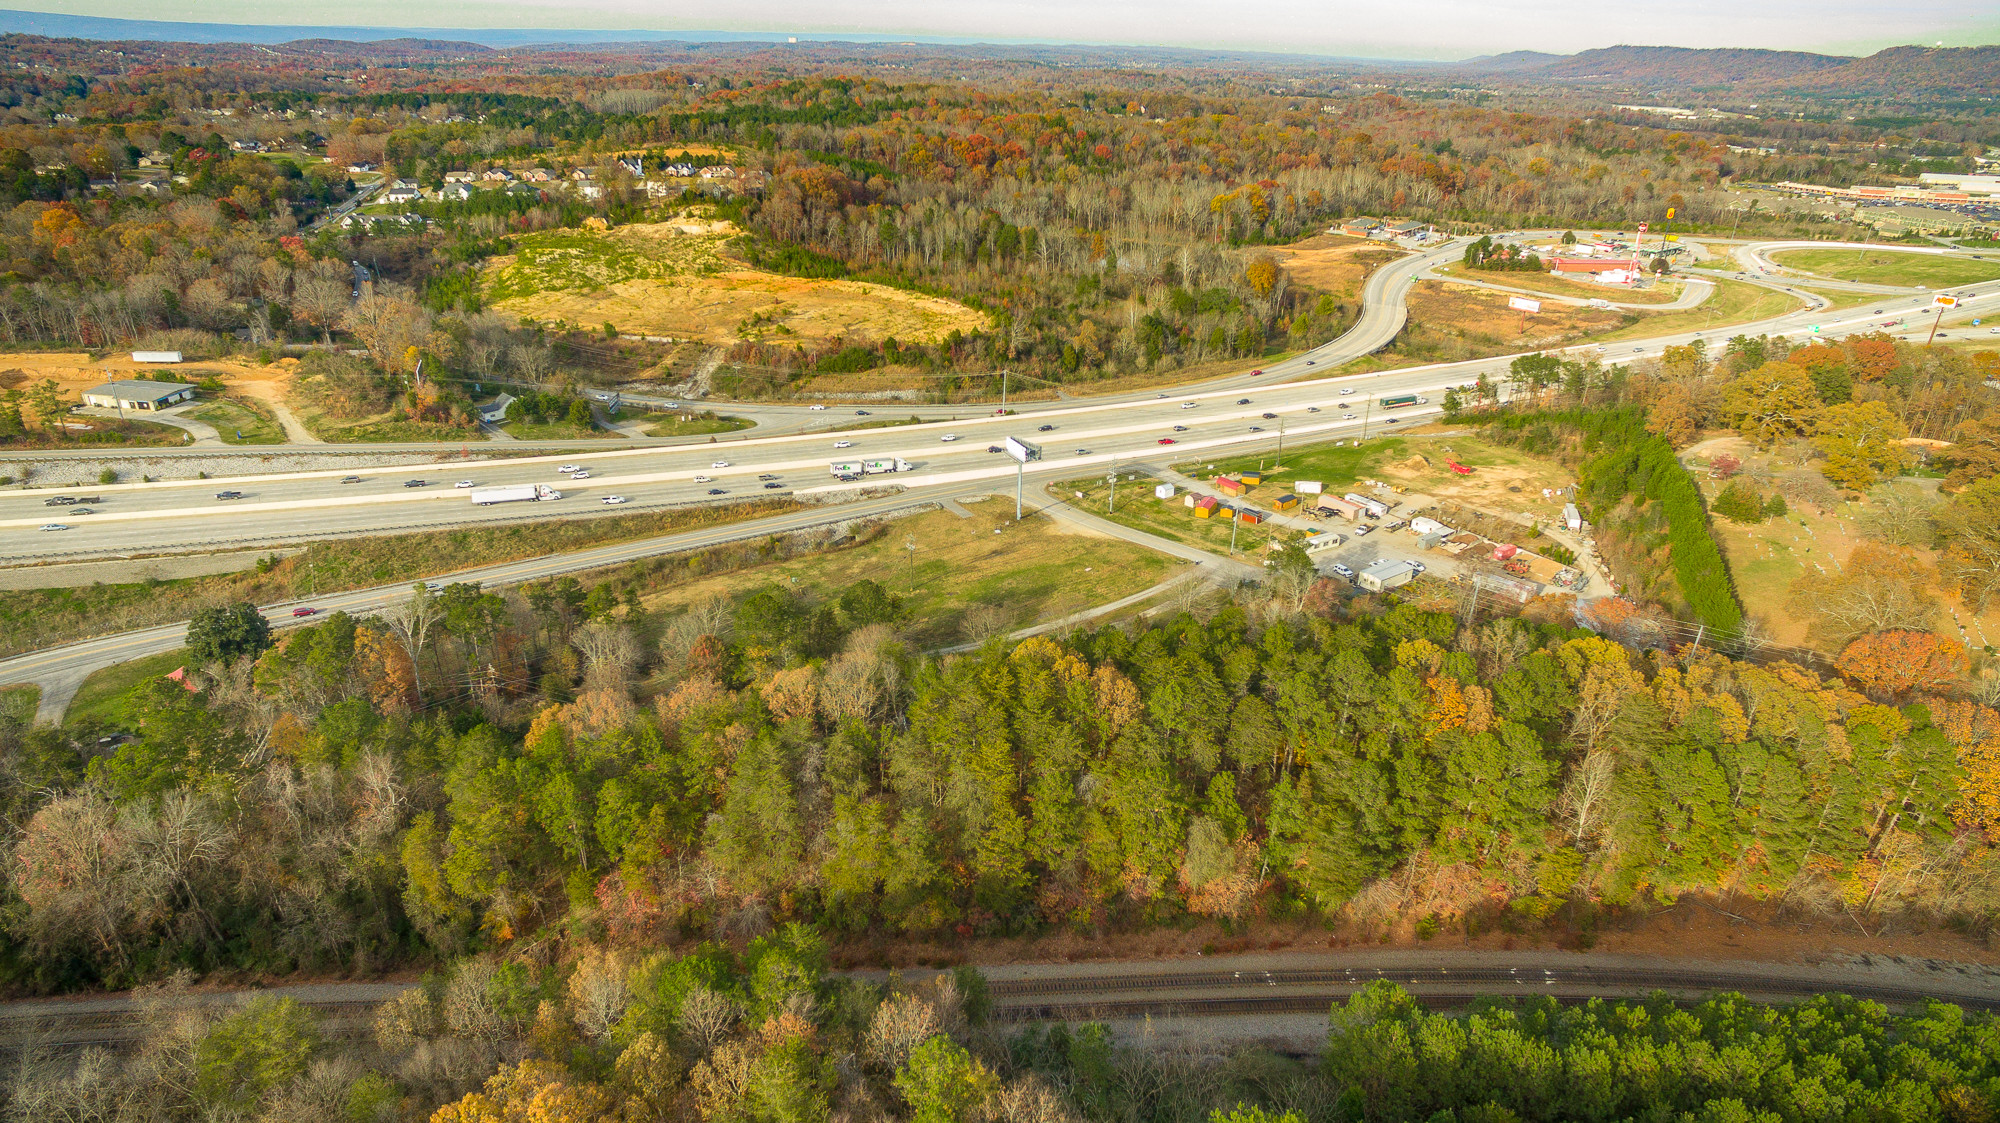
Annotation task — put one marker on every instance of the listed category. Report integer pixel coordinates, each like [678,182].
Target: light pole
[1111,504]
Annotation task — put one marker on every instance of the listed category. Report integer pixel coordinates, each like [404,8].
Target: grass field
[1503,479]
[553,431]
[231,416]
[106,695]
[681,424]
[37,618]
[1168,518]
[1733,303]
[1885,266]
[1031,571]
[674,278]
[381,428]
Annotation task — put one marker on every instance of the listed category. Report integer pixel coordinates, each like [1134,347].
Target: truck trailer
[513,493]
[1402,400]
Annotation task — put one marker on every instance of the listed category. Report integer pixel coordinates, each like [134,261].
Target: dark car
[717,491]
[229,495]
[81,511]
[88,499]
[1242,401]
[993,448]
[766,476]
[1045,429]
[58,501]
[1270,417]
[351,480]
[769,486]
[413,483]
[860,413]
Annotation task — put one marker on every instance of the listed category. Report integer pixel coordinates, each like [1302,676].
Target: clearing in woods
[1334,263]
[1028,572]
[1886,266]
[1502,479]
[675,279]
[1662,292]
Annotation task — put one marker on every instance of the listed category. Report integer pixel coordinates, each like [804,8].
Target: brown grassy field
[1334,263]
[676,279]
[1664,292]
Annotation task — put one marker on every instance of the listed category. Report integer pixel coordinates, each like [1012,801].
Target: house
[634,164]
[104,184]
[1359,227]
[138,394]
[538,175]
[590,190]
[497,175]
[455,193]
[682,170]
[361,167]
[402,193]
[495,411]
[246,145]
[661,189]
[459,177]
[718,171]
[583,175]
[1385,574]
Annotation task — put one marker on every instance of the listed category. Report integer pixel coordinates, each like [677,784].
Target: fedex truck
[888,464]
[514,493]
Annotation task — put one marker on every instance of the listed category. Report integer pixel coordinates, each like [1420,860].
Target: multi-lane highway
[1285,400]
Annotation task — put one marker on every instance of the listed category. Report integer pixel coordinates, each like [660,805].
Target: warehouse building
[138,394]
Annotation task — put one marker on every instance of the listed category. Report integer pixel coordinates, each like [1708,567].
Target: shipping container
[1504,551]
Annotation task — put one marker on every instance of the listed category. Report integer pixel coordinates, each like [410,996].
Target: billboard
[1023,451]
[1523,304]
[1943,300]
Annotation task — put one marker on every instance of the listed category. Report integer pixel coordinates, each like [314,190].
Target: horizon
[593,24]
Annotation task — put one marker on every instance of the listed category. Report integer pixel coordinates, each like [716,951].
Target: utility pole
[1003,390]
[1367,411]
[1112,503]
[1281,444]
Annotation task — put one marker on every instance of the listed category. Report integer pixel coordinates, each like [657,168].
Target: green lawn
[1733,303]
[553,431]
[1168,518]
[1336,466]
[1886,266]
[106,695]
[240,422]
[696,425]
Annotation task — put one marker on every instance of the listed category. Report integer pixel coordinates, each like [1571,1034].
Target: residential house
[538,175]
[459,177]
[361,167]
[402,191]
[455,193]
[497,175]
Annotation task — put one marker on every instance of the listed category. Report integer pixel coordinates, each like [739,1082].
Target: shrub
[1740,503]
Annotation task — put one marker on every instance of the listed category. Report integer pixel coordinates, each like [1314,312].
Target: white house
[455,193]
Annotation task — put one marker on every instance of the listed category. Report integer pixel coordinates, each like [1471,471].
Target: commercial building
[138,394]
[1385,574]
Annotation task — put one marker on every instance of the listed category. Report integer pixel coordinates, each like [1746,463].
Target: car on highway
[1638,350]
[1166,440]
[720,464]
[1312,409]
[702,479]
[59,501]
[861,413]
[1361,529]
[1878,312]
[1347,417]
[772,486]
[1242,401]
[413,483]
[1083,452]
[993,448]
[1342,570]
[612,500]
[433,586]
[1256,372]
[229,495]
[1189,405]
[1270,417]
[1312,362]
[817,409]
[583,475]
[81,511]
[465,483]
[54,526]
[949,437]
[1045,428]
[1180,428]
[1159,395]
[766,476]
[1256,428]
[717,491]
[305,612]
[1347,391]
[568,468]
[1392,420]
[351,480]
[843,444]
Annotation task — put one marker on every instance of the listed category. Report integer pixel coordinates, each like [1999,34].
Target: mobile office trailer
[1340,507]
[1374,507]
[1385,575]
[513,493]
[1308,487]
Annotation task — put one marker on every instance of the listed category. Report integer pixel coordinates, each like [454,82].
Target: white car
[584,475]
[817,409]
[1312,409]
[703,480]
[612,500]
[1188,405]
[568,468]
[720,464]
[1342,570]
[843,444]
[433,586]
[1347,391]
[949,437]
[1347,417]
[1417,565]
[465,483]
[55,526]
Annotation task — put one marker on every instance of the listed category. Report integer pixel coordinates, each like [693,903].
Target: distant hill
[1909,72]
[1513,60]
[1896,71]
[404,46]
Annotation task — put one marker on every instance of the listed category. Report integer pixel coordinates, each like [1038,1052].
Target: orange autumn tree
[1894,663]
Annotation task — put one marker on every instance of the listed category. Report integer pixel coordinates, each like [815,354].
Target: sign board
[1308,487]
[1523,304]
[1942,300]
[1023,451]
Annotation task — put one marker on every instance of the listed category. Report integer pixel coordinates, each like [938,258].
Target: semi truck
[1395,400]
[513,493]
[855,469]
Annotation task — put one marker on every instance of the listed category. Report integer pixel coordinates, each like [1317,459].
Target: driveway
[202,432]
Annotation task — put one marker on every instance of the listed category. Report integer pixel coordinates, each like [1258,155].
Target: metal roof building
[141,394]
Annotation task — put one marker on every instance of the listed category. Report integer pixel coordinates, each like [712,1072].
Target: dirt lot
[1662,292]
[676,279]
[1483,315]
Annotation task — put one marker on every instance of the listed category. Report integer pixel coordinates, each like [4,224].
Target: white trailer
[1385,574]
[513,493]
[1373,506]
[888,464]
[1308,487]
[156,356]
[846,469]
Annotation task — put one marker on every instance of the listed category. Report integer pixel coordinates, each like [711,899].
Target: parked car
[1417,565]
[305,612]
[1342,570]
[1361,529]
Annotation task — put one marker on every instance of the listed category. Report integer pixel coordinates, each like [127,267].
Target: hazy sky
[1392,28]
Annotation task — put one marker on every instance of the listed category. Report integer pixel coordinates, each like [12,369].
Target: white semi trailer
[513,493]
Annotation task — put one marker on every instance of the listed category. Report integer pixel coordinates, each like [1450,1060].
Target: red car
[1166,440]
[305,612]
[1257,371]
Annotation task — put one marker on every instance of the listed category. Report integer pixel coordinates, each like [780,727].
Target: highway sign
[1815,327]
[1523,304]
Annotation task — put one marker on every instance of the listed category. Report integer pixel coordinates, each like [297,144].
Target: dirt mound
[1417,463]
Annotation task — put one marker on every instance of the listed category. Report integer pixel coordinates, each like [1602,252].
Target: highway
[1238,414]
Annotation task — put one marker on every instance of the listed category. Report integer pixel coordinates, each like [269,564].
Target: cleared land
[1168,518]
[1335,263]
[240,422]
[1502,479]
[679,424]
[1662,292]
[1029,572]
[675,279]
[1885,266]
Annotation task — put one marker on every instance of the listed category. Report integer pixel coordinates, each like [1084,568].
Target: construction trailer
[1333,505]
[1374,507]
[1425,525]
[1572,518]
[1385,574]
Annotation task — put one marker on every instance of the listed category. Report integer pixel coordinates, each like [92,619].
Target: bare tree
[598,994]
[983,622]
[1582,801]
[412,622]
[320,295]
[610,653]
[1901,514]
[707,1016]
